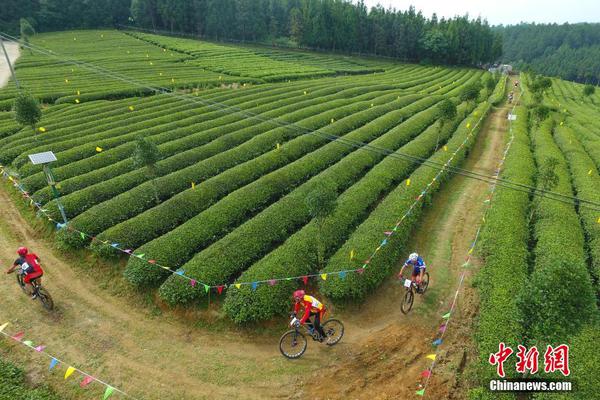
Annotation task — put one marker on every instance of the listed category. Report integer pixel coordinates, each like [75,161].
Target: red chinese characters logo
[498,358]
[555,359]
[527,360]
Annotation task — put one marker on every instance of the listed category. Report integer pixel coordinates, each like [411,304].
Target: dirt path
[387,363]
[13,53]
[148,357]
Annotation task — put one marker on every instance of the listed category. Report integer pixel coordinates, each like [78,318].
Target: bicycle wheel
[425,282]
[20,282]
[293,344]
[407,303]
[45,298]
[334,330]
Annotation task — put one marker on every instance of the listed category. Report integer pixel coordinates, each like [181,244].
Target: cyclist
[29,264]
[418,271]
[312,307]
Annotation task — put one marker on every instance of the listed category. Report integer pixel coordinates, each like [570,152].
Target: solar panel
[42,158]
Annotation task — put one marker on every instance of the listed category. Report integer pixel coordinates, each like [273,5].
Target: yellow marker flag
[599,220]
[76,101]
[151,63]
[102,35]
[565,110]
[160,73]
[305,92]
[131,108]
[278,146]
[42,129]
[74,38]
[445,148]
[193,185]
[244,85]
[561,123]
[471,250]
[78,93]
[165,50]
[332,120]
[3,326]
[468,125]
[408,182]
[220,77]
[371,104]
[324,277]
[172,80]
[238,285]
[147,56]
[99,149]
[351,254]
[590,172]
[69,372]
[58,186]
[431,356]
[66,80]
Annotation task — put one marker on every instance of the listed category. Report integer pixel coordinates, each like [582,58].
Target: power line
[571,200]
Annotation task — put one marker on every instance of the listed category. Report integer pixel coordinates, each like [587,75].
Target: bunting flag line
[447,316]
[55,361]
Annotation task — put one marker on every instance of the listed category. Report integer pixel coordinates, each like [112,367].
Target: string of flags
[426,374]
[86,378]
[254,284]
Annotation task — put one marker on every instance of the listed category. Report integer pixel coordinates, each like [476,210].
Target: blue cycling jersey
[418,263]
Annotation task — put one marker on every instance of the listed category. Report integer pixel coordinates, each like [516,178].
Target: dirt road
[388,362]
[155,355]
[13,53]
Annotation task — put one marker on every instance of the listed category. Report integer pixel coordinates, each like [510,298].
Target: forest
[332,25]
[568,51]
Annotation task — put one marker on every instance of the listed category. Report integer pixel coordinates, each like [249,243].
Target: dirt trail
[162,356]
[387,363]
[148,357]
[13,53]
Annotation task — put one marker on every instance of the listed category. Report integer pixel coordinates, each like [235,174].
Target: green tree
[296,25]
[146,155]
[490,83]
[447,112]
[26,32]
[27,110]
[321,203]
[471,92]
[589,90]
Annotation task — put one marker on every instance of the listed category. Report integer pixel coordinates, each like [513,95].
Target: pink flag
[426,373]
[220,289]
[443,328]
[360,271]
[39,349]
[305,279]
[86,381]
[193,282]
[19,336]
[272,282]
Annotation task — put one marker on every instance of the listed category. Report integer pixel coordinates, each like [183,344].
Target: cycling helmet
[298,294]
[413,257]
[22,251]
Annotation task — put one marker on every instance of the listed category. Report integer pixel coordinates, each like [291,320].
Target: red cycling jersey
[30,266]
[311,305]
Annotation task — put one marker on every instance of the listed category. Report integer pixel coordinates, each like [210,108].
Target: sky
[506,12]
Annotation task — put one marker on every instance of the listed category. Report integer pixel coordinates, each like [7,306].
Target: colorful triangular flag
[431,356]
[420,392]
[86,381]
[108,392]
[53,363]
[69,372]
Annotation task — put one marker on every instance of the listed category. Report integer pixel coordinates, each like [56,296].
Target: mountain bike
[293,343]
[39,291]
[411,289]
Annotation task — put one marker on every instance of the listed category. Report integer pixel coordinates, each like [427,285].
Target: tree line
[333,25]
[569,51]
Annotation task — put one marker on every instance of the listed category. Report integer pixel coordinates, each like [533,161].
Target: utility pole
[12,71]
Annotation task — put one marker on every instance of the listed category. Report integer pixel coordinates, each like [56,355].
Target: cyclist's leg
[318,326]
[309,322]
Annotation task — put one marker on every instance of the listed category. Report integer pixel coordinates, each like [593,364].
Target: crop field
[226,208]
[532,244]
